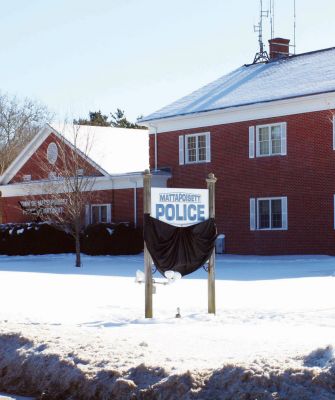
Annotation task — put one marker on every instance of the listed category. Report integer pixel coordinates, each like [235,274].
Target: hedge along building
[266,130]
[106,158]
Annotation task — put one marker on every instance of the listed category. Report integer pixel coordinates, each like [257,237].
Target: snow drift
[27,368]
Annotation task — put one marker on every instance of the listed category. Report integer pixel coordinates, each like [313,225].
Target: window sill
[270,155]
[270,229]
[196,162]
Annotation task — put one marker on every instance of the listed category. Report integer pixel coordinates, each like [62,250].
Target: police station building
[116,159]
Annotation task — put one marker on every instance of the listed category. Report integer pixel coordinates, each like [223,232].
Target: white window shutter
[333,132]
[208,147]
[109,213]
[251,141]
[257,142]
[252,214]
[87,214]
[284,212]
[181,150]
[283,139]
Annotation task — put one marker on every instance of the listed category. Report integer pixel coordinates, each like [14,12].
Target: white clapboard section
[116,150]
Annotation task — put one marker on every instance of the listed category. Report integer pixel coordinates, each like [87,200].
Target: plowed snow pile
[69,333]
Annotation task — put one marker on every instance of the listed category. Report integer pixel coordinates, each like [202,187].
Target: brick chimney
[279,47]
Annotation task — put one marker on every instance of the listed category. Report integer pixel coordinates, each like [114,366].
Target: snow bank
[27,368]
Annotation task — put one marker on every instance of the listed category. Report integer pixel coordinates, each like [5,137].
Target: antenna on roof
[272,17]
[294,26]
[262,55]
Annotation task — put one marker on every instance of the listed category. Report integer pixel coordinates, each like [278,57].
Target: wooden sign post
[147,257]
[0,207]
[211,180]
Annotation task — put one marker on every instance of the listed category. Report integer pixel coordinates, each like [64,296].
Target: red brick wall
[122,201]
[306,175]
[33,165]
[11,211]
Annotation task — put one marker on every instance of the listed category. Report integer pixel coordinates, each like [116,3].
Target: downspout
[135,204]
[155,128]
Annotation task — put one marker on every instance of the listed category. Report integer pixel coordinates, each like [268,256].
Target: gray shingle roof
[294,76]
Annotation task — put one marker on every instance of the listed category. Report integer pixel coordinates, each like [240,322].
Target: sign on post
[179,207]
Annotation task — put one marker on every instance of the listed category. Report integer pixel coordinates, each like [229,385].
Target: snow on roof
[116,150]
[294,76]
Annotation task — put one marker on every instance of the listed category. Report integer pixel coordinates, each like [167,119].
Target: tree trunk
[77,239]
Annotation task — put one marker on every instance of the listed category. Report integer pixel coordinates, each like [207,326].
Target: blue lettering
[178,216]
[159,210]
[192,216]
[201,212]
[170,216]
[181,212]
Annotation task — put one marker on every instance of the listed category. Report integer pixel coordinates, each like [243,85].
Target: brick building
[106,158]
[266,130]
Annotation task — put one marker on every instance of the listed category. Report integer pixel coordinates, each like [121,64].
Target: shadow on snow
[228,267]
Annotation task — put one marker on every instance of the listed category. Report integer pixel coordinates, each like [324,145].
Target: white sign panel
[179,207]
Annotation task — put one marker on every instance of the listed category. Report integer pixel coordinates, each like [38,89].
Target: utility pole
[147,258]
[211,180]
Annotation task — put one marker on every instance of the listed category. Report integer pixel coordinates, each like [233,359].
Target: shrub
[112,239]
[45,238]
[34,238]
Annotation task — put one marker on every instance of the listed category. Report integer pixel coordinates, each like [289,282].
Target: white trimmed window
[100,213]
[270,140]
[268,213]
[194,148]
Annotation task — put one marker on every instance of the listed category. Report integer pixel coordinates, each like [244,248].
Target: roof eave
[148,122]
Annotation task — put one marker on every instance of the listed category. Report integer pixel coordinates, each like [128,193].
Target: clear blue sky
[139,55]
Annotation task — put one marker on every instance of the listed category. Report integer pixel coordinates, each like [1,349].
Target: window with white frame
[268,213]
[100,213]
[270,140]
[194,148]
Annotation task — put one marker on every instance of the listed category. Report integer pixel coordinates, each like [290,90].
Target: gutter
[177,116]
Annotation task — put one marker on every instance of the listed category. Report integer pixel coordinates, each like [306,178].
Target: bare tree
[20,120]
[69,185]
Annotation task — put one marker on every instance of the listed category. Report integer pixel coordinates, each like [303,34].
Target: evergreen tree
[119,120]
[96,119]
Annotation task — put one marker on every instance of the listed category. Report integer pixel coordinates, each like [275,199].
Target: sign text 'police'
[179,206]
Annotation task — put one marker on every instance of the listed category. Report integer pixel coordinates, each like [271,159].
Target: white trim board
[278,108]
[127,181]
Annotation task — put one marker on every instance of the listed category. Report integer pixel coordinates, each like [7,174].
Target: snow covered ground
[65,330]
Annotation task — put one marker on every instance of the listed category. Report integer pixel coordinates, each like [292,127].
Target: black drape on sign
[182,249]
